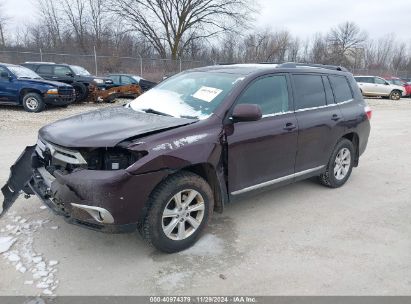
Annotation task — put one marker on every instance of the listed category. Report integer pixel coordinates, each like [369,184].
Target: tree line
[212,31]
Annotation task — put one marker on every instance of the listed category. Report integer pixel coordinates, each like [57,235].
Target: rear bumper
[59,100]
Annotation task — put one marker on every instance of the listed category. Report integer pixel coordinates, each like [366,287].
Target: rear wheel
[81,91]
[179,210]
[395,95]
[340,165]
[33,102]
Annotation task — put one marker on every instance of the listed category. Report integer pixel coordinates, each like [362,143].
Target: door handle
[289,126]
[336,117]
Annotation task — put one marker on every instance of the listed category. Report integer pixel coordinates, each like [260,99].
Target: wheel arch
[25,91]
[209,173]
[355,139]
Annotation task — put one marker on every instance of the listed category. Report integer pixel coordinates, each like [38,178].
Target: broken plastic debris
[52,263]
[5,243]
[28,282]
[54,227]
[43,207]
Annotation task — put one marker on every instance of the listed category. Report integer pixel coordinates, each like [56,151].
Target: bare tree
[50,17]
[172,25]
[75,10]
[344,40]
[3,22]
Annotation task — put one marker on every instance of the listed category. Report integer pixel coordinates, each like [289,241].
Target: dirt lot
[302,239]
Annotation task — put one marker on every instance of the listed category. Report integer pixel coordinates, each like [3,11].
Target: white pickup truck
[377,86]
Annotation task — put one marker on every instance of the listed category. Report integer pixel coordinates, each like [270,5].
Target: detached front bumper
[107,201]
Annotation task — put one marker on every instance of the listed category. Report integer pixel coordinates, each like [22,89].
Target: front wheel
[340,165]
[395,95]
[33,102]
[179,210]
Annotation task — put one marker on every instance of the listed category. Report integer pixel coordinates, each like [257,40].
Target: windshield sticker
[207,93]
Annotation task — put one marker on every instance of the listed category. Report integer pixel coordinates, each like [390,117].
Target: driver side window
[379,81]
[270,93]
[3,71]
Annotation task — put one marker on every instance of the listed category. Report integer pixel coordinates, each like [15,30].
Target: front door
[8,88]
[260,153]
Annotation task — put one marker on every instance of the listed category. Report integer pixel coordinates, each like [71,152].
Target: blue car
[21,86]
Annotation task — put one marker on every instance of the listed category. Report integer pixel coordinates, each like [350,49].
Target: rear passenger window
[341,88]
[270,93]
[309,91]
[45,69]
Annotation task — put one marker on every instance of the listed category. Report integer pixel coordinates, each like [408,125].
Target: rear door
[261,153]
[45,71]
[382,86]
[320,121]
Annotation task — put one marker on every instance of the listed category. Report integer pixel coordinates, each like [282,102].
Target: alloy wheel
[32,103]
[183,214]
[342,164]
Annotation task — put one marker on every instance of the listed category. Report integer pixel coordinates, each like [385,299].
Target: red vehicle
[400,82]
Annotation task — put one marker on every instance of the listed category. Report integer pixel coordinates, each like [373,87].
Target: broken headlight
[112,158]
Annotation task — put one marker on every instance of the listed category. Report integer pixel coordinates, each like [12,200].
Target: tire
[333,177]
[33,102]
[161,228]
[81,91]
[395,95]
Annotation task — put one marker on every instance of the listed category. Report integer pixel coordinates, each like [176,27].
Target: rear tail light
[368,112]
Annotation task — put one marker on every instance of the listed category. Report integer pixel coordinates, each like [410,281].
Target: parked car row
[34,85]
[391,87]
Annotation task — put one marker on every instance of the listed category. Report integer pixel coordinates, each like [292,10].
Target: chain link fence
[153,69]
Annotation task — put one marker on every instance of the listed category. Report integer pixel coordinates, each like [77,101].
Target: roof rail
[40,62]
[313,65]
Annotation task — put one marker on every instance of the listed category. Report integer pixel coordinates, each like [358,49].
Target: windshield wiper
[25,77]
[189,117]
[152,111]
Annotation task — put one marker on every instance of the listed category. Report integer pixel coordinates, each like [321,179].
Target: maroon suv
[164,162]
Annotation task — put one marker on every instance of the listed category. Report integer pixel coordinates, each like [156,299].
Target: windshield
[22,72]
[189,95]
[78,70]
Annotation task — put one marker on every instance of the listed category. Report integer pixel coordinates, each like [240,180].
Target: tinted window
[328,91]
[379,80]
[309,91]
[45,69]
[270,93]
[341,88]
[364,79]
[115,78]
[61,71]
[126,80]
[3,70]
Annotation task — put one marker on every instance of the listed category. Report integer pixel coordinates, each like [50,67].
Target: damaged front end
[88,187]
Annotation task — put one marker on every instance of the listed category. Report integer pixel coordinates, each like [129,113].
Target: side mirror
[247,112]
[70,74]
[387,83]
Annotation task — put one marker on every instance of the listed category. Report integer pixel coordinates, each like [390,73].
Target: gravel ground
[302,239]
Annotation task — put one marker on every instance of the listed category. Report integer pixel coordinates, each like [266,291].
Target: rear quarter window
[309,91]
[45,69]
[341,88]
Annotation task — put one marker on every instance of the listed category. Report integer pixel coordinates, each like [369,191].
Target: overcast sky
[302,17]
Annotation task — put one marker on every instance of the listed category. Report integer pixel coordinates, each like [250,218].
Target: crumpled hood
[106,127]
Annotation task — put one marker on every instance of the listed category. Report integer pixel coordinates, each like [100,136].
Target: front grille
[66,91]
[61,154]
